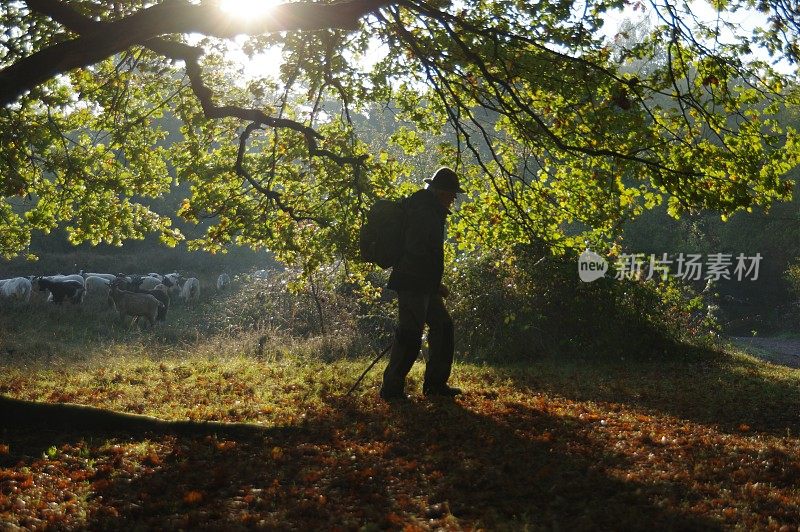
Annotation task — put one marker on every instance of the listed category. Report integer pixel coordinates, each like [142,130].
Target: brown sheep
[137,305]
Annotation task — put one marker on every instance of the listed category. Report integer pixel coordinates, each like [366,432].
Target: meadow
[227,417]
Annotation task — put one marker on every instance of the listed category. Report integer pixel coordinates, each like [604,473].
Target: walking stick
[355,385]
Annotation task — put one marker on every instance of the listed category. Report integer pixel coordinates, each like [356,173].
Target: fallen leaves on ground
[505,455]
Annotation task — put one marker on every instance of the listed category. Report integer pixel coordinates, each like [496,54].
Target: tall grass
[254,318]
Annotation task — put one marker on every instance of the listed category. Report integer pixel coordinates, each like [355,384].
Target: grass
[707,439]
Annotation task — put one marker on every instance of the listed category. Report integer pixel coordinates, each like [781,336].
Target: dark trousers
[415,310]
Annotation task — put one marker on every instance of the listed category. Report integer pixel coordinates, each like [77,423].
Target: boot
[442,390]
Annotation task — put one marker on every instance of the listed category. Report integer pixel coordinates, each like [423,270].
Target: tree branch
[268,192]
[190,55]
[170,17]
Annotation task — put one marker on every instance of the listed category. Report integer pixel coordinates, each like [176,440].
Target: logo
[591,266]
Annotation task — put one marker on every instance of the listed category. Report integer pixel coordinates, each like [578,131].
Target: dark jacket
[421,266]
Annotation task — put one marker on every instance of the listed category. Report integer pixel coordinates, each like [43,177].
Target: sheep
[223,281]
[129,282]
[17,288]
[107,276]
[156,275]
[161,288]
[96,284]
[146,283]
[72,277]
[136,305]
[173,283]
[133,284]
[161,293]
[190,291]
[60,289]
[97,288]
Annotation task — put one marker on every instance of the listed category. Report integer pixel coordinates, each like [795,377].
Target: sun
[247,8]
[263,63]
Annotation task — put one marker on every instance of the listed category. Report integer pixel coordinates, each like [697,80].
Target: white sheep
[148,283]
[17,288]
[72,277]
[107,276]
[190,291]
[223,281]
[97,288]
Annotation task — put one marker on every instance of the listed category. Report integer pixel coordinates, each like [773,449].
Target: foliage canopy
[561,134]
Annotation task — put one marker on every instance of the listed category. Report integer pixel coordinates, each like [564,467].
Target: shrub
[526,306]
[790,319]
[792,276]
[287,304]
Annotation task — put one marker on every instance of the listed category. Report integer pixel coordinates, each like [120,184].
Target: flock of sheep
[139,296]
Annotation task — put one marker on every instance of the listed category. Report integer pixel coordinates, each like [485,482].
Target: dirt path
[784,351]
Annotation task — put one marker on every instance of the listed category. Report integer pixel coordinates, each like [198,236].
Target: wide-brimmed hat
[445,179]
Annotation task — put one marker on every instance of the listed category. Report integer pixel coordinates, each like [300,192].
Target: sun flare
[247,8]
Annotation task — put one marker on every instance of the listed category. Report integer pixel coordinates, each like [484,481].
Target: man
[417,278]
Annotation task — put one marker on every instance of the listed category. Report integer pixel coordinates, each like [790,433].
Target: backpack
[382,235]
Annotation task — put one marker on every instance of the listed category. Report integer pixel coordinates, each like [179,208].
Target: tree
[558,142]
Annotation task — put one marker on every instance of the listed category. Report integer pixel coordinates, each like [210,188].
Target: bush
[790,319]
[526,306]
[288,305]
[792,276]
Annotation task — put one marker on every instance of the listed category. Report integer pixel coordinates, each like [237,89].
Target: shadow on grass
[704,385]
[429,463]
[31,415]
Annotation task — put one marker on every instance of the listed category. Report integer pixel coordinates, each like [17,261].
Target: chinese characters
[688,266]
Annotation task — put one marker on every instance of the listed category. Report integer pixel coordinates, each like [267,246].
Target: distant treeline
[766,305]
[57,255]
